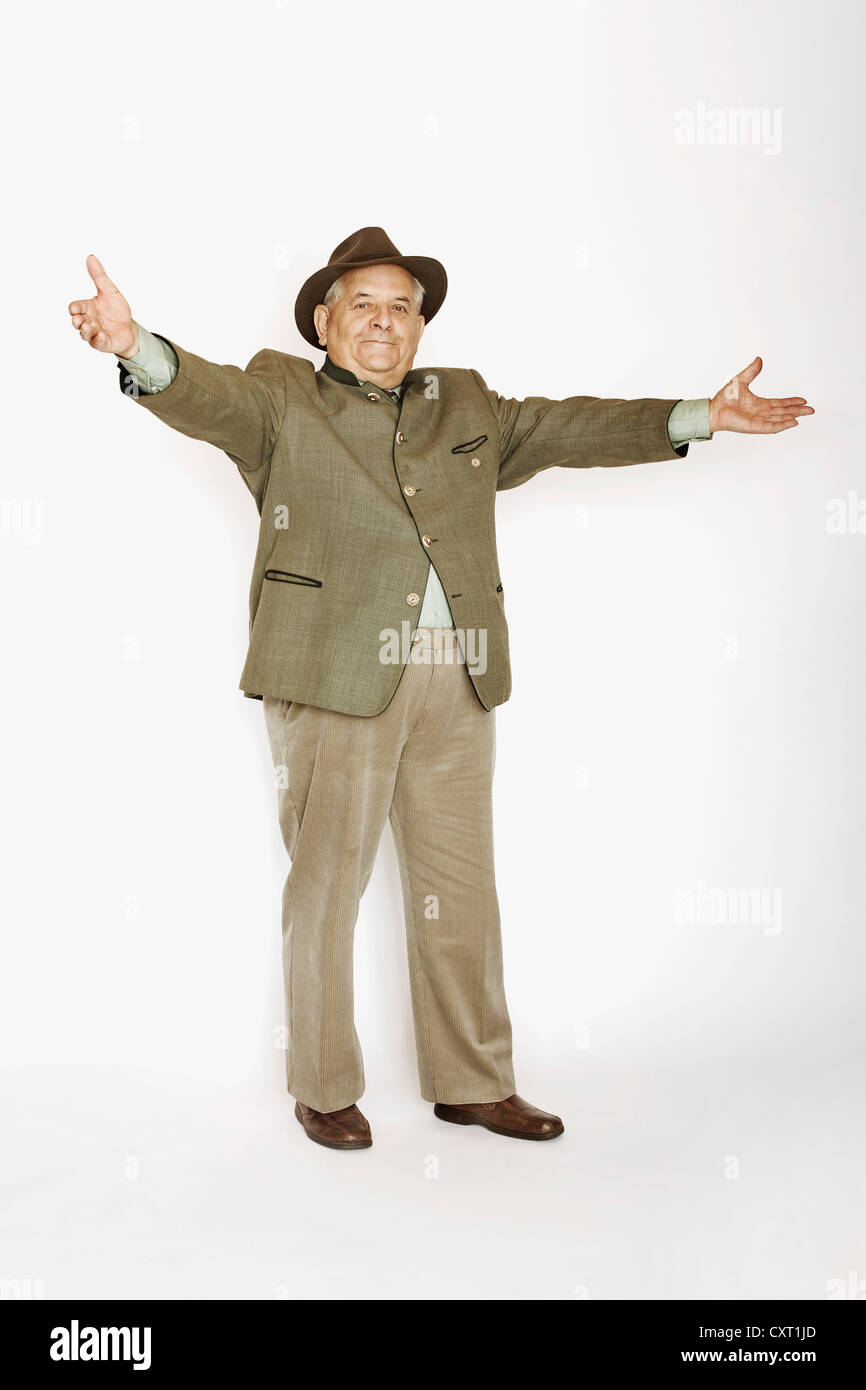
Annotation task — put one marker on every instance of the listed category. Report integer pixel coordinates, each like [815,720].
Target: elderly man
[378,640]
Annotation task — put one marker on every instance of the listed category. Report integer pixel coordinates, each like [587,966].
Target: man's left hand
[737,408]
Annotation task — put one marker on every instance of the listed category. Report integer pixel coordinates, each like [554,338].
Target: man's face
[372,329]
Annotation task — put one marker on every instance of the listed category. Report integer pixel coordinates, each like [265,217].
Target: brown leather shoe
[336,1129]
[513,1117]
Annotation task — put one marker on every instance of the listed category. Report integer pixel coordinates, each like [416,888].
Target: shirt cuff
[155,364]
[690,420]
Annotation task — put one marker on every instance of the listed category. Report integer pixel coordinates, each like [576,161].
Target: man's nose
[383,319]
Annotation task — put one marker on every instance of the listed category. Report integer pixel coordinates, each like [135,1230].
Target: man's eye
[401,307]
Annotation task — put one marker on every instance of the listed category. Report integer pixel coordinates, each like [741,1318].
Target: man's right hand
[105,322]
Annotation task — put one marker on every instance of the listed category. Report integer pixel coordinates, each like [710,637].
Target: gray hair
[335,292]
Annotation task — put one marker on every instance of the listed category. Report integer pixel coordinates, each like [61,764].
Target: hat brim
[429,272]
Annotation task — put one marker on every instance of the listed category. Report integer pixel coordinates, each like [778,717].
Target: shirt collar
[331,369]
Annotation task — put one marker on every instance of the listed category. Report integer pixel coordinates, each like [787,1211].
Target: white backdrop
[686,644]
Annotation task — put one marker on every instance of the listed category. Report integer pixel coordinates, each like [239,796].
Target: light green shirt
[155,365]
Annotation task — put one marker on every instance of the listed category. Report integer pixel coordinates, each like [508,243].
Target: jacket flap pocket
[286,577]
[470,445]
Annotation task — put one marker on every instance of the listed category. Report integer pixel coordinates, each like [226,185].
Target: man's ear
[320,319]
[423,324]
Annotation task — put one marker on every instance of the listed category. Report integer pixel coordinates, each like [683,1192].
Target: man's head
[370,322]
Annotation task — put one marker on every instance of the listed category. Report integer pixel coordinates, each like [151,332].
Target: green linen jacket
[358,493]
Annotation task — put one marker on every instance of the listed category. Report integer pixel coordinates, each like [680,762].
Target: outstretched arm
[592,431]
[239,411]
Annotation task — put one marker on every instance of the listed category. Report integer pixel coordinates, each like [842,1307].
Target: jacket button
[425,540]
[412,598]
[476,463]
[401,438]
[409,490]
[371,396]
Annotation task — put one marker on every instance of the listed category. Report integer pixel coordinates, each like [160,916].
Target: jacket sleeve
[238,410]
[578,432]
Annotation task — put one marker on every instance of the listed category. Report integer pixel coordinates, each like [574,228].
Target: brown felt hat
[369,246]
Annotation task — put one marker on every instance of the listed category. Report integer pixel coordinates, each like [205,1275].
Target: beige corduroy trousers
[426,763]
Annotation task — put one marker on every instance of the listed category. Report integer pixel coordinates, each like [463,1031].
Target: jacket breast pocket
[470,446]
[287,577]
